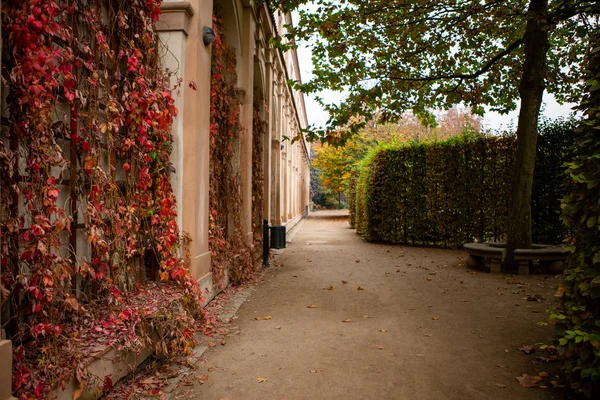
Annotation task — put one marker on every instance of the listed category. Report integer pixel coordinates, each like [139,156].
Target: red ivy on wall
[228,250]
[258,178]
[87,150]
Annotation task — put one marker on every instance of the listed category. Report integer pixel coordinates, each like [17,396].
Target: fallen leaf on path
[313,371]
[383,330]
[429,279]
[344,282]
[202,378]
[261,380]
[312,306]
[435,318]
[428,335]
[357,261]
[379,347]
[328,288]
[346,320]
[561,291]
[529,381]
[536,297]
[527,349]
[266,317]
[211,344]
[294,276]
[151,381]
[500,386]
[544,374]
[360,288]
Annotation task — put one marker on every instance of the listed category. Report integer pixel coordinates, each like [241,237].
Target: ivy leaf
[591,221]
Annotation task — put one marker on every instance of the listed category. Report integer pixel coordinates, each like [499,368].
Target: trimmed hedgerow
[448,193]
[578,317]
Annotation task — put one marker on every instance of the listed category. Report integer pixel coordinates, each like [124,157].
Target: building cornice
[175,17]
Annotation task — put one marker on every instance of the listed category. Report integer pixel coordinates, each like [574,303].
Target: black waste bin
[278,237]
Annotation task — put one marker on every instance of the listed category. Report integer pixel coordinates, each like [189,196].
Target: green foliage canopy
[396,55]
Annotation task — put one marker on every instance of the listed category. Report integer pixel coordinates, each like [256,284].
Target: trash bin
[278,237]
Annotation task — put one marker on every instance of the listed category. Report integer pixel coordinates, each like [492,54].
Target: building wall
[249,26]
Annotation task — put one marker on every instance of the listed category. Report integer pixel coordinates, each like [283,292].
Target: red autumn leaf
[108,384]
[53,193]
[529,381]
[527,349]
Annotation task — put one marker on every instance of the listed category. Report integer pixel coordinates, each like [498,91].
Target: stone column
[284,163]
[173,29]
[247,84]
[278,155]
[267,147]
[182,23]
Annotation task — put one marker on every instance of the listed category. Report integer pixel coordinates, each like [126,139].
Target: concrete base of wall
[6,370]
[208,287]
[111,362]
[200,265]
[289,225]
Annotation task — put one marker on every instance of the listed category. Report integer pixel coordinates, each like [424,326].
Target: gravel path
[341,318]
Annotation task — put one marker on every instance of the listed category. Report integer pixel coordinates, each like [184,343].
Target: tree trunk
[531,90]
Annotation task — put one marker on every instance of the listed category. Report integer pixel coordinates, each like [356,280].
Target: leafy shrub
[456,191]
[578,320]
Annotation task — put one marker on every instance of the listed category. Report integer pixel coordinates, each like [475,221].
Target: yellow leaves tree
[335,163]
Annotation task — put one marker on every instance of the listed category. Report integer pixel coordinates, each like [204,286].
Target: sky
[491,121]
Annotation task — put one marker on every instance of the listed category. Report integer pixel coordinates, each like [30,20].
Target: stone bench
[494,253]
[552,256]
[480,253]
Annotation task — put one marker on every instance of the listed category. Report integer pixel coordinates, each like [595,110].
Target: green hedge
[578,317]
[452,192]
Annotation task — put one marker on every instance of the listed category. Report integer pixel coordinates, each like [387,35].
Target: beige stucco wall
[249,27]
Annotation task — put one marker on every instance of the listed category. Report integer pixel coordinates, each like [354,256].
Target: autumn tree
[335,163]
[391,56]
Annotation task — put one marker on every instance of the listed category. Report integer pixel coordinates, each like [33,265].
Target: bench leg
[474,262]
[523,267]
[496,266]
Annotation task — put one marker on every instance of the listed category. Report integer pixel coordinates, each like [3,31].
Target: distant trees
[333,164]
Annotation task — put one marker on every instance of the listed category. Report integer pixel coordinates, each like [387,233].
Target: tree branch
[473,75]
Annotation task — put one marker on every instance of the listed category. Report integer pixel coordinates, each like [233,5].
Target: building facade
[249,27]
[184,29]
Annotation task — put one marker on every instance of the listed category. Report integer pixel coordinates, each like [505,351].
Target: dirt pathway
[420,325]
